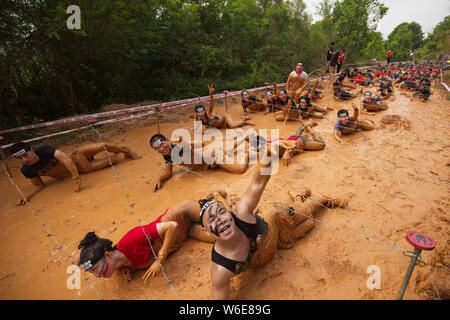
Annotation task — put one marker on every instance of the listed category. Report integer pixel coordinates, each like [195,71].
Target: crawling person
[139,246]
[303,139]
[171,151]
[288,108]
[51,162]
[346,124]
[340,94]
[309,110]
[272,102]
[252,103]
[385,88]
[208,119]
[370,103]
[245,239]
[423,91]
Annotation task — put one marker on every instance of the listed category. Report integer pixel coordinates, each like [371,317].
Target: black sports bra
[252,231]
[206,123]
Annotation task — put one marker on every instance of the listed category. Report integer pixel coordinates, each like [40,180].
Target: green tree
[349,22]
[438,42]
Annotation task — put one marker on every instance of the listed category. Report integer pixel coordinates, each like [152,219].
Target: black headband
[203,209]
[88,264]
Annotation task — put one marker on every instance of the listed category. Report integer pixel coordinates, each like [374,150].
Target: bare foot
[300,196]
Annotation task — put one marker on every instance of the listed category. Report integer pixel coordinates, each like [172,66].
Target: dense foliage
[134,50]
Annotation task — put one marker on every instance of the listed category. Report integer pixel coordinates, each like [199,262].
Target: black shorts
[333,63]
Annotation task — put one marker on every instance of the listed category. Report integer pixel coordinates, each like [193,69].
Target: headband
[156,144]
[205,206]
[342,113]
[198,108]
[91,262]
[20,152]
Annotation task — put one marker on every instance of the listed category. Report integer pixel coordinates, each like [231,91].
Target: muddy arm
[167,231]
[164,174]
[38,186]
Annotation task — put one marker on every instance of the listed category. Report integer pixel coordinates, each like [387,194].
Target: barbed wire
[131,205]
[43,225]
[364,237]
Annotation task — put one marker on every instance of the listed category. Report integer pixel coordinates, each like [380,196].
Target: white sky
[427,13]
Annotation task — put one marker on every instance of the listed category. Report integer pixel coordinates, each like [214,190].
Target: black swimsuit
[252,231]
[206,123]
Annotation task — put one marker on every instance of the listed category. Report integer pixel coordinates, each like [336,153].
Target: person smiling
[208,119]
[245,239]
[346,124]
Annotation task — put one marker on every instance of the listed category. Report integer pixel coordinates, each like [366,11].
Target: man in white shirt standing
[296,79]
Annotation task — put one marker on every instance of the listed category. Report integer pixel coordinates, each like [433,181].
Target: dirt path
[395,177]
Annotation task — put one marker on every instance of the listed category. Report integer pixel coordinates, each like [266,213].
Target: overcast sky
[428,13]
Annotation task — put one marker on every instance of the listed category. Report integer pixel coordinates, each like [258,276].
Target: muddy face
[201,114]
[164,148]
[344,119]
[103,268]
[218,221]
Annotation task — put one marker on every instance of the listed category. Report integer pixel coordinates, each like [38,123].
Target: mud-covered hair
[93,249]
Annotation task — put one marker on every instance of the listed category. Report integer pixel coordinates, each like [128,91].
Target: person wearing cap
[139,246]
[51,162]
[296,79]
[370,103]
[346,124]
[209,120]
[177,153]
[246,238]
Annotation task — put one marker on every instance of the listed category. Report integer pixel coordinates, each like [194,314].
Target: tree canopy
[133,50]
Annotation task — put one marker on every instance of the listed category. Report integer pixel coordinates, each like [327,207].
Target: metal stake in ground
[420,242]
[226,101]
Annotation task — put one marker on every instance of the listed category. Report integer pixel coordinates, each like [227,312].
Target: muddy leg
[235,124]
[366,125]
[91,150]
[236,168]
[313,145]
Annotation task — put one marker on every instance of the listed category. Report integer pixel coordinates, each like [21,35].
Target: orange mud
[396,179]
